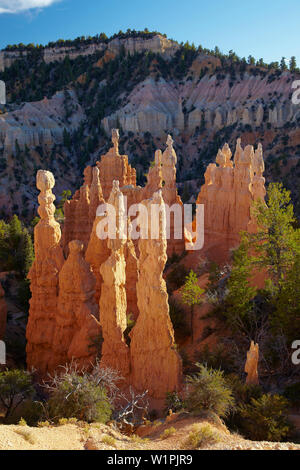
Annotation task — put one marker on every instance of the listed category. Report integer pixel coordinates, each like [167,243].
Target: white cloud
[18,6]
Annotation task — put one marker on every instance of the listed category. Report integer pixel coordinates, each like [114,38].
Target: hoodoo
[105,280]
[44,280]
[156,366]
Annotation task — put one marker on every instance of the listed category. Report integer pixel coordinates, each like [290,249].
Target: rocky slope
[82,436]
[157,106]
[148,87]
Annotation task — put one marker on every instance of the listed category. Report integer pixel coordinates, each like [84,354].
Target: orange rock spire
[44,280]
[170,196]
[228,193]
[252,364]
[113,303]
[114,166]
[77,329]
[155,364]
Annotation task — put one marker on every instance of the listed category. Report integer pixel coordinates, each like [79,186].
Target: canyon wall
[159,106]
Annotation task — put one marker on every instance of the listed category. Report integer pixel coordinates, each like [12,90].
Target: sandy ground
[82,436]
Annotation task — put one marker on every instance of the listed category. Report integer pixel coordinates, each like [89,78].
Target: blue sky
[265,28]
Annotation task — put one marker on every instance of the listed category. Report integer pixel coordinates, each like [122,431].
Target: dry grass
[167,433]
[108,440]
[201,435]
[44,424]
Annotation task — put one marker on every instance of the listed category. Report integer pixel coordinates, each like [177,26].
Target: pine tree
[283,65]
[15,232]
[286,318]
[293,64]
[26,252]
[192,294]
[275,243]
[275,249]
[239,300]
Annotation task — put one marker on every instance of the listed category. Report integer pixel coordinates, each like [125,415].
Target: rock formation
[156,105]
[157,44]
[252,364]
[131,272]
[44,280]
[96,254]
[155,364]
[113,303]
[77,332]
[175,222]
[104,280]
[229,191]
[80,211]
[154,177]
[114,166]
[3,313]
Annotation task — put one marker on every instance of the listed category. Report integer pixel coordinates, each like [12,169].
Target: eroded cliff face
[162,106]
[30,137]
[39,123]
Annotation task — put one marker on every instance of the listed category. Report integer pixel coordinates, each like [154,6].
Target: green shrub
[29,410]
[173,402]
[209,391]
[79,396]
[265,419]
[243,395]
[242,392]
[15,387]
[22,422]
